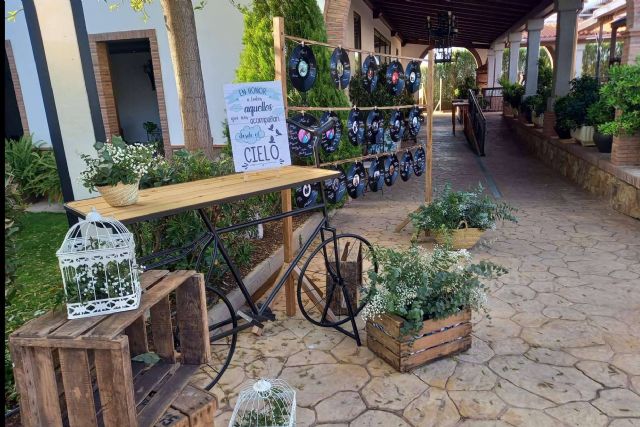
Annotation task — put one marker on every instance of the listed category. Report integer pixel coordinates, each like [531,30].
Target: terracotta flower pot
[120,194]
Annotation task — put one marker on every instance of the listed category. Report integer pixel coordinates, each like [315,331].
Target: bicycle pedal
[268,314]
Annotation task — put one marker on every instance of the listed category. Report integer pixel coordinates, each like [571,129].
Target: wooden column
[285,195]
[428,179]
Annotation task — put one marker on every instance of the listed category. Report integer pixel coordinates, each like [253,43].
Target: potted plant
[117,171]
[533,105]
[419,304]
[622,92]
[598,114]
[460,217]
[507,90]
[516,98]
[564,117]
[583,93]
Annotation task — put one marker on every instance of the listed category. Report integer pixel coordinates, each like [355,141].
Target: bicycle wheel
[223,341]
[333,279]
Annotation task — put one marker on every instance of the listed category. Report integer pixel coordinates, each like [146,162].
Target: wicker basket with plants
[459,218]
[420,303]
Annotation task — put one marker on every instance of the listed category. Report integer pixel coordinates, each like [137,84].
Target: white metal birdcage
[99,270]
[267,403]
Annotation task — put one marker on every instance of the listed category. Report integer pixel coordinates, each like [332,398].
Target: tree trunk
[185,55]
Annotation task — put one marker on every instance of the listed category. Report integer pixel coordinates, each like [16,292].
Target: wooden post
[287,223]
[428,179]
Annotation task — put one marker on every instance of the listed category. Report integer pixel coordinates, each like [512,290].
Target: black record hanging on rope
[395,78]
[406,166]
[301,141]
[396,125]
[391,168]
[356,180]
[374,126]
[376,174]
[355,123]
[413,76]
[415,121]
[370,73]
[331,138]
[340,68]
[419,162]
[335,188]
[306,195]
[303,69]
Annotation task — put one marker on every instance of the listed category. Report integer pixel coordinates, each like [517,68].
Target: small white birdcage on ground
[99,270]
[267,403]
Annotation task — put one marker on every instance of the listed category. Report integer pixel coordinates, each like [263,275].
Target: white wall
[366,25]
[137,102]
[18,34]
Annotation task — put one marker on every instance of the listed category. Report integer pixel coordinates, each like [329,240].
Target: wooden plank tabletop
[171,199]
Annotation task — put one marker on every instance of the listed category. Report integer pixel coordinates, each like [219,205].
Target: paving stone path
[561,346]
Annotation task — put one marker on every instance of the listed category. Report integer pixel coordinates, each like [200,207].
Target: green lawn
[38,276]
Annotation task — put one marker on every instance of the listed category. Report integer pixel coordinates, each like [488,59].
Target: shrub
[512,92]
[564,107]
[450,208]
[622,91]
[418,286]
[33,170]
[600,113]
[13,209]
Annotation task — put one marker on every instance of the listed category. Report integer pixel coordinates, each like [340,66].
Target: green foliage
[600,113]
[37,278]
[273,413]
[512,92]
[457,74]
[590,55]
[622,91]
[417,286]
[571,110]
[34,170]
[13,210]
[175,231]
[117,162]
[565,110]
[450,208]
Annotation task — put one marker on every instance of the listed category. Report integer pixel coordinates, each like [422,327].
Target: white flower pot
[584,134]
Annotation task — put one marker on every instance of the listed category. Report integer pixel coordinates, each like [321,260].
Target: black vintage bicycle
[330,277]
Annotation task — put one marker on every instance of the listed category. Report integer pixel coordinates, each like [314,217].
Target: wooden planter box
[462,238]
[79,372]
[436,339]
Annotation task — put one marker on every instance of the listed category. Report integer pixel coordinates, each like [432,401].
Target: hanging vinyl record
[302,68]
[374,126]
[301,141]
[419,162]
[396,126]
[306,195]
[331,138]
[355,123]
[395,78]
[413,76]
[391,169]
[376,174]
[336,188]
[370,73]
[415,121]
[356,180]
[340,68]
[406,166]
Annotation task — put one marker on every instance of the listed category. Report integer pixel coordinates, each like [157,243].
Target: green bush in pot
[564,108]
[598,114]
[622,91]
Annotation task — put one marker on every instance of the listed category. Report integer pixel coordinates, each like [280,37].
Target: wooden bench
[80,373]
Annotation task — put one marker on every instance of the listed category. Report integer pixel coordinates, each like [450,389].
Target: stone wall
[585,166]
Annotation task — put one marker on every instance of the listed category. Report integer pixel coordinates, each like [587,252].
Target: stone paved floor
[562,346]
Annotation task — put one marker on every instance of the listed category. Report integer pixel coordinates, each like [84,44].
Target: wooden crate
[194,407]
[80,373]
[436,339]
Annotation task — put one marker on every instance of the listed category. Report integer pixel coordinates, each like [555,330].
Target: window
[357,40]
[381,45]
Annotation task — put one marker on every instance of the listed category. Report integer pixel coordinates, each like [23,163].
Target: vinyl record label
[301,141]
[370,73]
[396,126]
[302,68]
[356,180]
[355,123]
[340,68]
[374,126]
[376,175]
[395,78]
[415,121]
[406,166]
[336,188]
[413,76]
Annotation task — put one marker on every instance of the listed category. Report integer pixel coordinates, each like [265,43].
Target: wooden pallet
[436,339]
[80,373]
